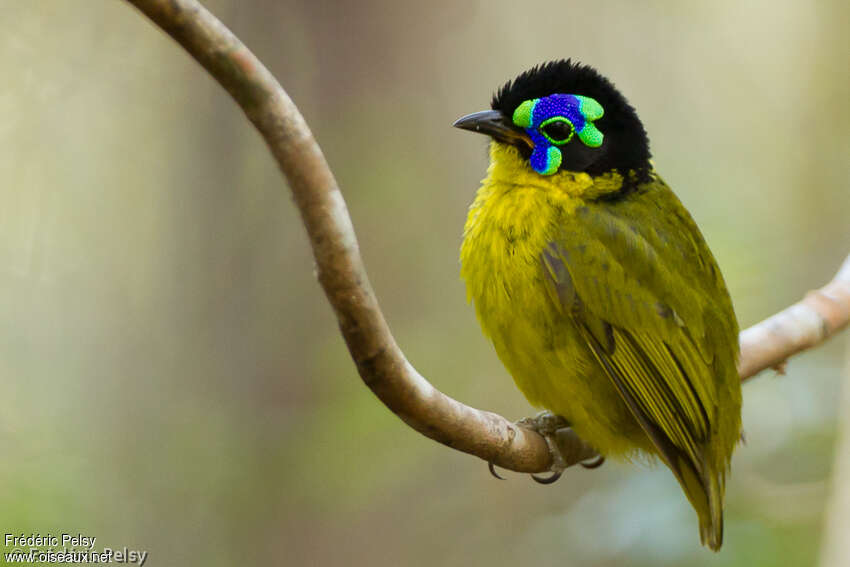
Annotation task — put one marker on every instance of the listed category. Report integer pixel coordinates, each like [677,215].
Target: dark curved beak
[493,123]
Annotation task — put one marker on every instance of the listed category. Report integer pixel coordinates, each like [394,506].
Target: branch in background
[380,362]
[804,325]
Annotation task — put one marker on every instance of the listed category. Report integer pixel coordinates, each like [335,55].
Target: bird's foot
[594,464]
[544,423]
[493,472]
[547,424]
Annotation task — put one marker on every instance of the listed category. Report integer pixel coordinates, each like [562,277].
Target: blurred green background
[172,376]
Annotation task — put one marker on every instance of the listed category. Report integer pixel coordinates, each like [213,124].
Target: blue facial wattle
[576,111]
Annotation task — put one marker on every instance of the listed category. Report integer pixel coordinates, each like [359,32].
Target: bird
[595,286]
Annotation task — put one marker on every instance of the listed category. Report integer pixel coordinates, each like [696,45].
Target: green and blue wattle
[579,111]
[545,159]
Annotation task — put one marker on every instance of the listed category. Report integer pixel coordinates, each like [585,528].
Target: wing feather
[646,296]
[638,281]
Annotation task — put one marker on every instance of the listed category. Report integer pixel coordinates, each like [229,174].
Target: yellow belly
[508,227]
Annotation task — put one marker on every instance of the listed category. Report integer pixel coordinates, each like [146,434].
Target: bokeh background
[171,376]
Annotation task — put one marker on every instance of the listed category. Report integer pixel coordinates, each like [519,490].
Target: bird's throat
[509,168]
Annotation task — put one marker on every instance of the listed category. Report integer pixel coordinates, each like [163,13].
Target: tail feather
[706,495]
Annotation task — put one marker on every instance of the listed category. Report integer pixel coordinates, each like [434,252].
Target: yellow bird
[595,285]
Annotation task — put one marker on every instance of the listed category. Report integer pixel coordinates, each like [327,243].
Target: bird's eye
[557,130]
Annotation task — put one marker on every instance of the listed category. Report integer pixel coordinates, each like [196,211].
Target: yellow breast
[516,213]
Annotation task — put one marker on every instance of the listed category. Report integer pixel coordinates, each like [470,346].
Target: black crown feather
[628,145]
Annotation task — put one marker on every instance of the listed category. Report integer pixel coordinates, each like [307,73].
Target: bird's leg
[547,424]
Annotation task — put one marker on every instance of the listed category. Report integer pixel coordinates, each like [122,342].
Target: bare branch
[380,362]
[804,325]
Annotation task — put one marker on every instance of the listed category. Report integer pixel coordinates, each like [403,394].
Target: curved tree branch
[380,362]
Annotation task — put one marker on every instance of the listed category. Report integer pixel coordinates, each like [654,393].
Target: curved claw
[493,472]
[594,464]
[546,479]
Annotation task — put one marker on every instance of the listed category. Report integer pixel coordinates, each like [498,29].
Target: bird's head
[564,116]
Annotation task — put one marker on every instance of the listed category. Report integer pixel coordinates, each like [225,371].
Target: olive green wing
[642,287]
[652,361]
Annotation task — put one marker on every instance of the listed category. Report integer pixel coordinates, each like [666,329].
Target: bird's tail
[706,495]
